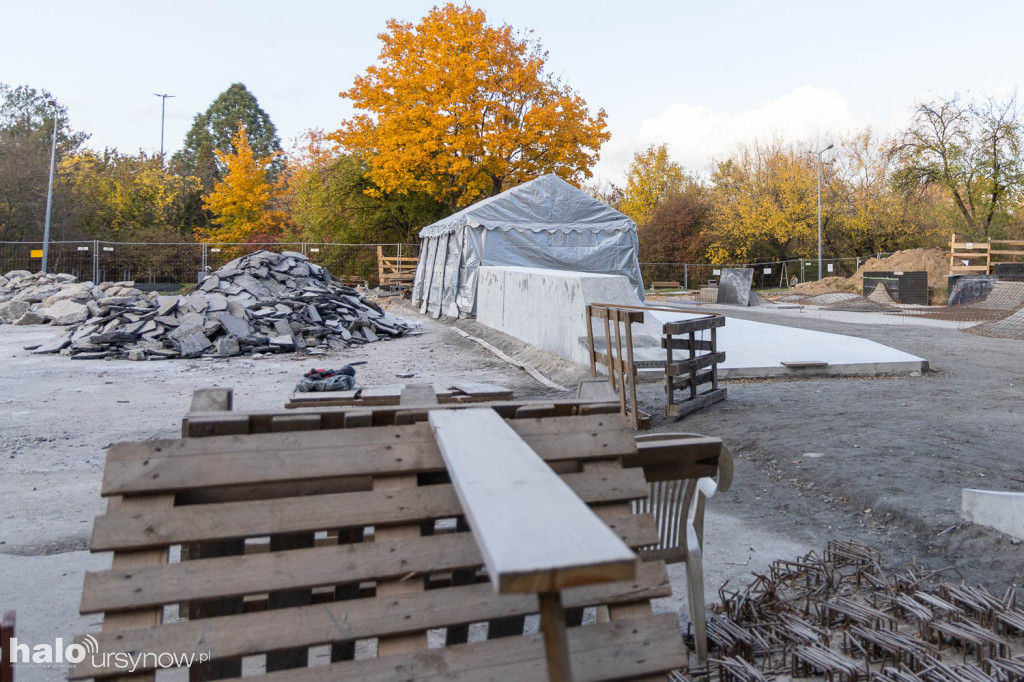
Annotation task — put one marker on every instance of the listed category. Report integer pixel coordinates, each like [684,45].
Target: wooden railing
[395,270]
[968,257]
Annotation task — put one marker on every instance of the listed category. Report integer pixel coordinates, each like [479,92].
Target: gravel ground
[881,461]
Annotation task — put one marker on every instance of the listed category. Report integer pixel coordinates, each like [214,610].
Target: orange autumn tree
[245,205]
[460,110]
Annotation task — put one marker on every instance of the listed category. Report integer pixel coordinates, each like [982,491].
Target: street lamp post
[818,154]
[163,107]
[49,191]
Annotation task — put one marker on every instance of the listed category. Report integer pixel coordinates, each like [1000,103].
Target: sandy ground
[879,461]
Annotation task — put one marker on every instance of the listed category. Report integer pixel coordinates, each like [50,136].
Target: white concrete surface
[1002,511]
[546,308]
[758,349]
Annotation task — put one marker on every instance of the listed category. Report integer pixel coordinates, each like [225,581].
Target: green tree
[652,176]
[973,151]
[331,199]
[217,126]
[460,109]
[26,133]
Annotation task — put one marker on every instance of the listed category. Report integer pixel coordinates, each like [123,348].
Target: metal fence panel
[181,263]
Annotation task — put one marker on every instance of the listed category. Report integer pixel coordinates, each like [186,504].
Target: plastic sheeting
[544,223]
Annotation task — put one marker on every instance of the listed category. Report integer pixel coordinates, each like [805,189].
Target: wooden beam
[511,498]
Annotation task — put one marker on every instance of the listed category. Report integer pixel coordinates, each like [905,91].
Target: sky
[701,77]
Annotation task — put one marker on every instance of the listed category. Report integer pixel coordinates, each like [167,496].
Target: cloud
[696,133]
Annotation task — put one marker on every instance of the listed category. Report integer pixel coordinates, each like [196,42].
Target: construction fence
[767,275]
[182,263]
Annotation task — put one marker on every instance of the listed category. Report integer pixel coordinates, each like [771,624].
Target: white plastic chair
[678,509]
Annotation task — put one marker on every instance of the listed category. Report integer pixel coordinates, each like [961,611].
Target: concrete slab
[1002,511]
[546,308]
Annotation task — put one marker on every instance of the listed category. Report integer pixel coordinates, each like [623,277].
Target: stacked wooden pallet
[282,577]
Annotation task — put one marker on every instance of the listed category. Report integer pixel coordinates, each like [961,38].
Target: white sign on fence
[83,248]
[767,271]
[716,272]
[314,250]
[830,267]
[108,248]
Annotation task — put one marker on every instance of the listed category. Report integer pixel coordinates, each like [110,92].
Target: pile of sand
[934,261]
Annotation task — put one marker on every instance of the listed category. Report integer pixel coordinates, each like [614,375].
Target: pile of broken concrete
[263,302]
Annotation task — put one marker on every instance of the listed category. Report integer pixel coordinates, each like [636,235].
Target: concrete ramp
[547,308]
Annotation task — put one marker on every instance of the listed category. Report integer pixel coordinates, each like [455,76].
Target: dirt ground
[880,461]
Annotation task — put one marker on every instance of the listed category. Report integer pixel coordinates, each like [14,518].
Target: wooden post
[556,642]
[6,656]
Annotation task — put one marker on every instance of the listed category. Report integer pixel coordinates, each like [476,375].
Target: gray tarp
[544,223]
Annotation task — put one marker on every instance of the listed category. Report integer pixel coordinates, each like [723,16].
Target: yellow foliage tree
[459,109]
[118,196]
[651,178]
[245,205]
[765,204]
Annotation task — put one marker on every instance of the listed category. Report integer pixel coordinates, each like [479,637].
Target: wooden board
[156,585]
[198,463]
[510,497]
[144,529]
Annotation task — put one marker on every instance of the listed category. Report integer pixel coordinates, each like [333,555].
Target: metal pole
[95,261]
[819,216]
[686,276]
[163,108]
[49,192]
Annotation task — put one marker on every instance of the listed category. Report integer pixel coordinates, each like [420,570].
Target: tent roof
[547,204]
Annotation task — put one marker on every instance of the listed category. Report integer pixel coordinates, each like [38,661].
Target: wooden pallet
[698,368]
[282,574]
[389,394]
[395,270]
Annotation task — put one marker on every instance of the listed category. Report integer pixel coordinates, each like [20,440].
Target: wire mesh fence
[767,275]
[181,263]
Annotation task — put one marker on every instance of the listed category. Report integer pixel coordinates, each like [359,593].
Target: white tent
[544,223]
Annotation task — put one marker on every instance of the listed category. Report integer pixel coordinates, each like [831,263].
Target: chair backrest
[678,486]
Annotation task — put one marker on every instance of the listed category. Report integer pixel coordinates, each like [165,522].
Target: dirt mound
[824,286]
[934,261]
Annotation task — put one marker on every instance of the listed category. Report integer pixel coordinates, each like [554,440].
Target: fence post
[95,261]
[303,248]
[202,262]
[686,276]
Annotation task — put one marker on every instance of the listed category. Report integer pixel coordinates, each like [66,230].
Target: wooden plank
[483,391]
[687,326]
[804,364]
[698,403]
[230,520]
[510,496]
[604,312]
[675,459]
[234,576]
[385,394]
[193,464]
[363,618]
[684,344]
[7,626]
[700,362]
[1007,253]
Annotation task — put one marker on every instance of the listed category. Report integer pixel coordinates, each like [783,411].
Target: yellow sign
[36,253]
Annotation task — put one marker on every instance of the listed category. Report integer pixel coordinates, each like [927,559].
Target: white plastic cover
[545,223]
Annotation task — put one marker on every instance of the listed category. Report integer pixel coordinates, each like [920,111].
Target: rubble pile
[263,302]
